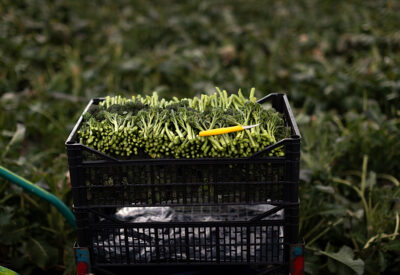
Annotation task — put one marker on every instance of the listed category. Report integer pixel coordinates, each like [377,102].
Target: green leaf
[325,188]
[6,271]
[382,261]
[6,214]
[37,253]
[335,211]
[371,180]
[331,264]
[11,230]
[312,263]
[41,254]
[12,235]
[18,136]
[393,245]
[359,214]
[69,260]
[345,256]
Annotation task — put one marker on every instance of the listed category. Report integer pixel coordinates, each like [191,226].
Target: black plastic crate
[102,186]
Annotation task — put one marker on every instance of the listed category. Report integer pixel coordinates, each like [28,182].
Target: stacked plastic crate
[153,212]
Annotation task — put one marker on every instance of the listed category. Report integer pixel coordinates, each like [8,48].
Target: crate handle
[268,97]
[266,214]
[99,153]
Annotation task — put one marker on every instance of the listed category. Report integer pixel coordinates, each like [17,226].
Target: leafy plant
[362,207]
[340,70]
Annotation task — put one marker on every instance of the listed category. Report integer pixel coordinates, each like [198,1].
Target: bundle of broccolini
[157,128]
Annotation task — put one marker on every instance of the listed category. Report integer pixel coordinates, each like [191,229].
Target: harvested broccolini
[150,127]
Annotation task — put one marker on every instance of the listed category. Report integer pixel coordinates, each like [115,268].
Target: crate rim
[296,137]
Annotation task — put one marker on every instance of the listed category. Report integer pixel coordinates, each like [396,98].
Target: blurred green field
[338,61]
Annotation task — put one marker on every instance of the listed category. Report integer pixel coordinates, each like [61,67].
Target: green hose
[41,193]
